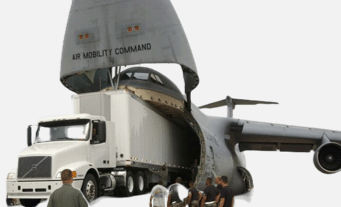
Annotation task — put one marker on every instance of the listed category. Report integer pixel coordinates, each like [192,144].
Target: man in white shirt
[158,195]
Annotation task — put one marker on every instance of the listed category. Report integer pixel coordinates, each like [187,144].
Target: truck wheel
[90,188]
[140,183]
[9,201]
[128,190]
[29,202]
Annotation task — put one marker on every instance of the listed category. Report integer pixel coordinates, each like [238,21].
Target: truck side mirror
[101,131]
[29,135]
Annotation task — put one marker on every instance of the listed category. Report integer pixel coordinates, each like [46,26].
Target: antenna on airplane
[232,102]
[117,73]
[110,78]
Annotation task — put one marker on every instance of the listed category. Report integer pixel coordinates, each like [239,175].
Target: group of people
[220,195]
[212,196]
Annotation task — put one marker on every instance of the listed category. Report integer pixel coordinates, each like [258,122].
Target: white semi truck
[131,137]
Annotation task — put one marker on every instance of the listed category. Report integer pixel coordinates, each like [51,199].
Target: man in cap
[67,195]
[194,196]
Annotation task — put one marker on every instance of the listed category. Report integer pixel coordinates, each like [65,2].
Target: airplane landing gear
[247,178]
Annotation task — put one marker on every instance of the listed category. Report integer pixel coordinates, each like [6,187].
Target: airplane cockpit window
[149,79]
[126,76]
[141,76]
[156,78]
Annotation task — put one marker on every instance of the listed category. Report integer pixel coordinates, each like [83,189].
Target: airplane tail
[232,102]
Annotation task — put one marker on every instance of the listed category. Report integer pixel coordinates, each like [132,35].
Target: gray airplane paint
[108,33]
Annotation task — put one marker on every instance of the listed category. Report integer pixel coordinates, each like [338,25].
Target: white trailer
[143,134]
[145,138]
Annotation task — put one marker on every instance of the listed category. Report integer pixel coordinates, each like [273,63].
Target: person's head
[224,179]
[94,131]
[191,184]
[178,180]
[209,181]
[160,182]
[217,180]
[66,176]
[196,161]
[164,167]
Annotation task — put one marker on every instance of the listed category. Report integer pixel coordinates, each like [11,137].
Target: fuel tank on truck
[110,33]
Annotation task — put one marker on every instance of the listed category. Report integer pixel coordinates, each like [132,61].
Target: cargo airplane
[103,36]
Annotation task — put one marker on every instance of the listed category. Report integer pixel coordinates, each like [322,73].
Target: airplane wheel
[140,183]
[29,202]
[128,190]
[247,178]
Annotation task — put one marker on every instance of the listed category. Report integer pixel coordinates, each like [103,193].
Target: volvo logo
[34,167]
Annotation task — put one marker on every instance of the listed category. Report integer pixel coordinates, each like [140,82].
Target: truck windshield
[63,131]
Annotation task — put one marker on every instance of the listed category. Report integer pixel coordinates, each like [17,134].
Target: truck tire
[9,201]
[29,202]
[140,183]
[129,189]
[90,188]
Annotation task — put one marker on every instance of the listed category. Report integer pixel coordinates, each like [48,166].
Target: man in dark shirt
[194,169]
[194,196]
[227,195]
[163,174]
[211,195]
[219,182]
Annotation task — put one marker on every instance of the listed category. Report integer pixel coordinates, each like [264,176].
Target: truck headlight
[74,174]
[59,175]
[11,176]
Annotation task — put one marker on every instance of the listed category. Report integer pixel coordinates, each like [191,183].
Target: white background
[285,51]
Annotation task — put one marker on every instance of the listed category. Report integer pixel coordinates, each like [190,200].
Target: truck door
[99,149]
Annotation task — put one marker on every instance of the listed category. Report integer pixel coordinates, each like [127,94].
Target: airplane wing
[271,137]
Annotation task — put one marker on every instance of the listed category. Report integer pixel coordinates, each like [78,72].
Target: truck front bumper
[36,190]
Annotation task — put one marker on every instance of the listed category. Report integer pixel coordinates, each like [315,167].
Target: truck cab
[77,142]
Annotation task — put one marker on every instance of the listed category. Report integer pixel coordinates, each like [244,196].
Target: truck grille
[34,167]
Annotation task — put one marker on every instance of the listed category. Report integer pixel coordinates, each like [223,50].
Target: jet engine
[327,158]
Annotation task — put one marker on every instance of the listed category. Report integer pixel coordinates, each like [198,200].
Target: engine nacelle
[327,158]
